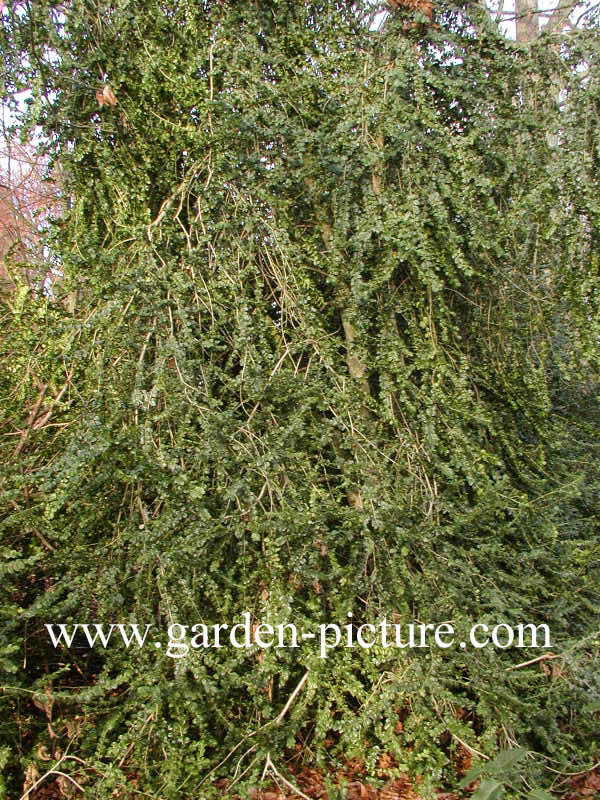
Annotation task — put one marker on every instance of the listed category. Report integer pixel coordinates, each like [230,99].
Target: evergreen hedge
[330,346]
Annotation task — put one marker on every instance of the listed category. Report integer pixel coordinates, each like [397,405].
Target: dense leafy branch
[334,349]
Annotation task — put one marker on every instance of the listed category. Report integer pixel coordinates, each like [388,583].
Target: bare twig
[269,766]
[559,17]
[469,748]
[275,721]
[292,697]
[574,774]
[44,541]
[43,420]
[545,656]
[31,419]
[52,771]
[69,778]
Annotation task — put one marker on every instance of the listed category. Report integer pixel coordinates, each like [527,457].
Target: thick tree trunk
[527,20]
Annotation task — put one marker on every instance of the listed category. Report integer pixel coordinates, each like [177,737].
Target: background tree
[523,20]
[28,198]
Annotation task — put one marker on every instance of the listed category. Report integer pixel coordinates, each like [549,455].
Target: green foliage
[334,349]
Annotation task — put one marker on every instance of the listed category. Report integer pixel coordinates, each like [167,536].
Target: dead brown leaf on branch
[106,97]
[424,6]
